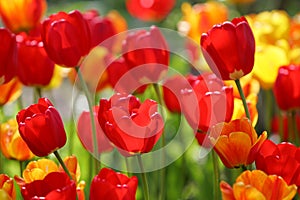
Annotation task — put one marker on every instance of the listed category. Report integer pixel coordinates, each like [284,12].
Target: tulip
[229,49]
[109,184]
[12,145]
[280,125]
[288,78]
[150,10]
[7,188]
[257,185]
[8,55]
[41,127]
[35,68]
[55,185]
[66,38]
[131,126]
[10,91]
[280,159]
[146,54]
[84,131]
[29,14]
[236,142]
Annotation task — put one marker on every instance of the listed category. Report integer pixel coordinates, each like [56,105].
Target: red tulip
[8,55]
[84,131]
[109,184]
[41,127]
[35,68]
[213,103]
[150,10]
[132,126]
[286,88]
[146,54]
[229,49]
[280,159]
[56,185]
[66,37]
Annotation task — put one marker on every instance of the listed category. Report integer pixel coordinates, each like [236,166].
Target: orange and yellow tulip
[11,143]
[259,186]
[7,188]
[10,91]
[236,142]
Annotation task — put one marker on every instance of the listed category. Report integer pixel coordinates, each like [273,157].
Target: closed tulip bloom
[258,185]
[7,188]
[55,185]
[236,142]
[149,10]
[8,55]
[146,54]
[132,126]
[41,127]
[280,159]
[10,91]
[29,14]
[66,38]
[109,184]
[229,49]
[35,68]
[287,88]
[12,145]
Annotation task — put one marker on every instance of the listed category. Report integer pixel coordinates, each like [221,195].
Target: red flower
[132,126]
[213,103]
[84,131]
[66,38]
[150,10]
[35,68]
[146,54]
[109,184]
[41,127]
[282,159]
[56,185]
[286,88]
[8,55]
[229,49]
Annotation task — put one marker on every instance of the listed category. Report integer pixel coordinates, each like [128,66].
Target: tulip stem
[90,104]
[216,175]
[294,127]
[62,164]
[21,167]
[144,178]
[238,84]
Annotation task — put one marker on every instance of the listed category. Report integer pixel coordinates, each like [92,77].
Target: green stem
[21,167]
[216,175]
[144,178]
[268,109]
[294,125]
[163,141]
[90,104]
[238,84]
[291,132]
[127,166]
[62,164]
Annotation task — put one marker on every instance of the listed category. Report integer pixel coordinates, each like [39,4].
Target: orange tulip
[259,186]
[72,164]
[236,142]
[10,91]
[22,15]
[7,189]
[12,145]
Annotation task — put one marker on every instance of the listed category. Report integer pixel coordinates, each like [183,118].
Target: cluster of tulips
[234,64]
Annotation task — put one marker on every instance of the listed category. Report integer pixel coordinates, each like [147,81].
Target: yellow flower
[256,185]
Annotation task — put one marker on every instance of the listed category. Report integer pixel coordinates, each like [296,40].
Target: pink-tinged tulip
[7,188]
[84,131]
[22,15]
[229,49]
[66,38]
[280,159]
[287,88]
[55,185]
[109,184]
[149,10]
[146,54]
[132,126]
[8,55]
[35,68]
[41,127]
